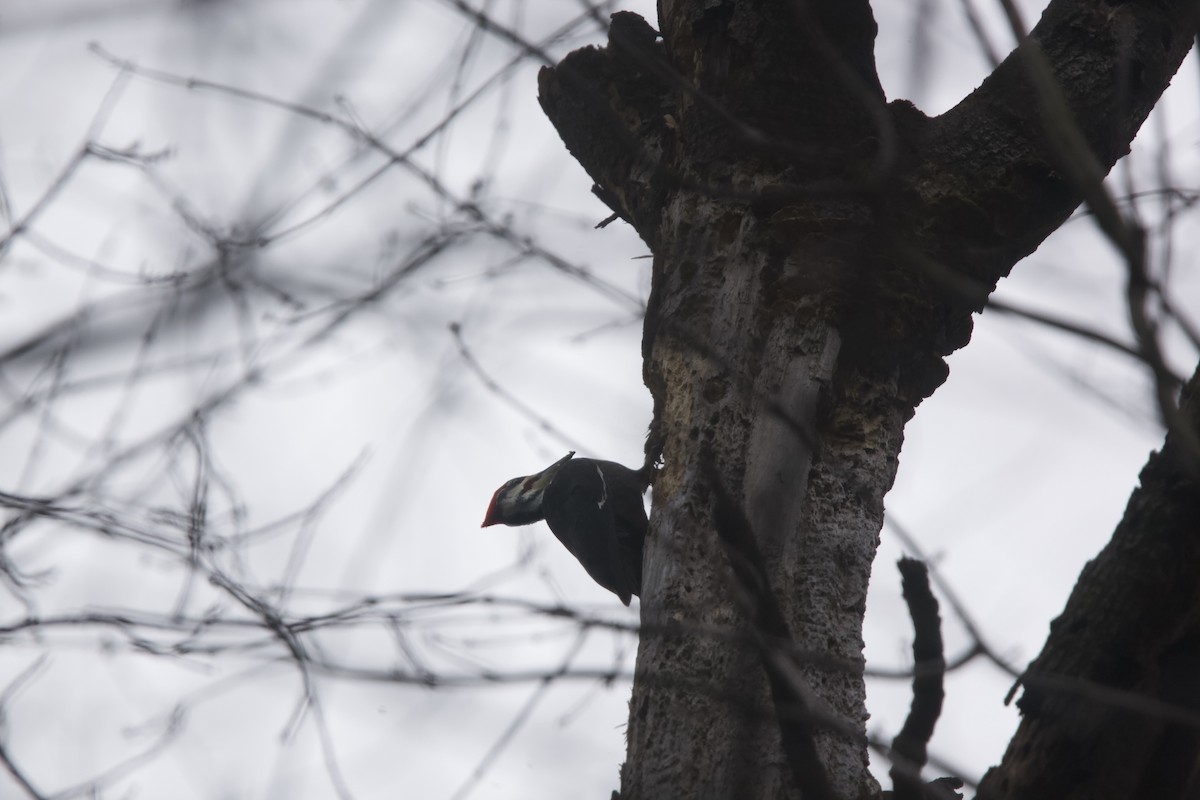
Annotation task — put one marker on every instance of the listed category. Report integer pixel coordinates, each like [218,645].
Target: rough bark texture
[817,253]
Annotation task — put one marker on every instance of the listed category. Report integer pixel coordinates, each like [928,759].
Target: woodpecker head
[519,501]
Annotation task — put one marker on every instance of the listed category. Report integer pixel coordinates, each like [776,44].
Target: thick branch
[981,186]
[1006,166]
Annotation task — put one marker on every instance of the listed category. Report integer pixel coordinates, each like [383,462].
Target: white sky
[1012,475]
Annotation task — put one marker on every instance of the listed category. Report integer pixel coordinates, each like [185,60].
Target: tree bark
[817,253]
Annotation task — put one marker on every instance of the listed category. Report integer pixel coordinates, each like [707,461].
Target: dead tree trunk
[818,251]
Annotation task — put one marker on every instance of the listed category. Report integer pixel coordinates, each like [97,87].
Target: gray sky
[348,448]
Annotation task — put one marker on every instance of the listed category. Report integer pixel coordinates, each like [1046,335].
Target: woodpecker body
[593,507]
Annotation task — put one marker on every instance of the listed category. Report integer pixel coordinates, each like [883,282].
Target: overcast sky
[247,229]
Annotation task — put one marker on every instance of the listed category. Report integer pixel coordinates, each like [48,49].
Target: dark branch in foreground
[909,750]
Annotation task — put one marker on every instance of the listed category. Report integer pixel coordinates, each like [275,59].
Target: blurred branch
[796,705]
[1081,331]
[511,400]
[395,157]
[6,699]
[1083,168]
[95,128]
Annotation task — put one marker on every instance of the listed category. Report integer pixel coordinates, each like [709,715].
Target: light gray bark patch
[780,452]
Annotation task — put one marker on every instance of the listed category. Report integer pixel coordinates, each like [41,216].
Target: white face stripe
[603,488]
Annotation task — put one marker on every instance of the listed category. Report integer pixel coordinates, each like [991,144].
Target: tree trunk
[817,253]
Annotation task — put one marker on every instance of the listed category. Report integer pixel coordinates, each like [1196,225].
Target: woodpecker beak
[490,517]
[521,491]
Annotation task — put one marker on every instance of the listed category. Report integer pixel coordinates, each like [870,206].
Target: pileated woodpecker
[593,507]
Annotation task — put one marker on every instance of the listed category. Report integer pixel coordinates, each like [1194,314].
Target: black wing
[580,508]
[631,519]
